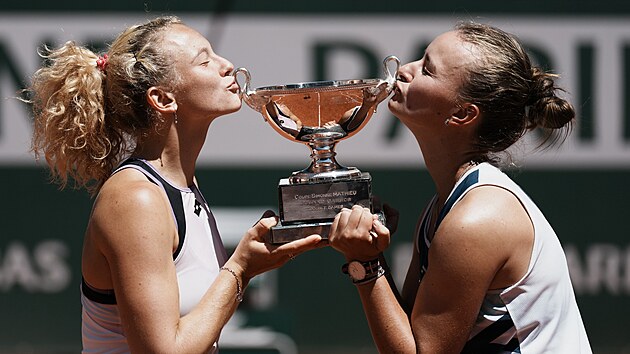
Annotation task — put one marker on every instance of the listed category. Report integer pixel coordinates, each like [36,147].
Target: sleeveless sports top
[199,256]
[537,314]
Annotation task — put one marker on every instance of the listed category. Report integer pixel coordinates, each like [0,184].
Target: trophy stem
[324,167]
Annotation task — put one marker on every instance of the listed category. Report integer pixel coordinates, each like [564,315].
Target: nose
[404,72]
[227,67]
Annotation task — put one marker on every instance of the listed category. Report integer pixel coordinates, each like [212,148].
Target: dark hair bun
[545,109]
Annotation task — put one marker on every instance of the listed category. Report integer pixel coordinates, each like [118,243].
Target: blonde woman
[129,126]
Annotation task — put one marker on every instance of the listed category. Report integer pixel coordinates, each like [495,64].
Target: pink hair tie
[101,62]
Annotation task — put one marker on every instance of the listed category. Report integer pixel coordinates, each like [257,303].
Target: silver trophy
[319,114]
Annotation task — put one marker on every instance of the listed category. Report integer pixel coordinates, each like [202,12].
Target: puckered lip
[233,87]
[397,93]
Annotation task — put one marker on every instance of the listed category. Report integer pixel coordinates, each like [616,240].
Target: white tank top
[537,314]
[197,260]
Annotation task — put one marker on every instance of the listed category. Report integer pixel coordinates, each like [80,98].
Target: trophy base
[287,233]
[310,208]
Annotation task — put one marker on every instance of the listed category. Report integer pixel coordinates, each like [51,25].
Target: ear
[162,101]
[465,114]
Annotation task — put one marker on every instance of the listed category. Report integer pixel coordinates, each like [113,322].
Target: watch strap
[379,273]
[373,270]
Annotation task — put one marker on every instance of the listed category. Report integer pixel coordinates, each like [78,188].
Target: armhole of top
[105,297]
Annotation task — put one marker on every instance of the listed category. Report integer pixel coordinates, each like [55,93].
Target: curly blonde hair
[87,118]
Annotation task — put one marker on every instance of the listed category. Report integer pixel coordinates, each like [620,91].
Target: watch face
[356,270]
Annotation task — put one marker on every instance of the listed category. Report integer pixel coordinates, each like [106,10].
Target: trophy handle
[389,77]
[248,78]
[256,102]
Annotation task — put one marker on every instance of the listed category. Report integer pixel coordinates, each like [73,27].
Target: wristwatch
[363,271]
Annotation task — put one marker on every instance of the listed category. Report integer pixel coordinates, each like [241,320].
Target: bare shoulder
[490,211]
[487,229]
[128,192]
[128,204]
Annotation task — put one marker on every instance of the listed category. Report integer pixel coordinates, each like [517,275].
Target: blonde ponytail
[69,116]
[89,111]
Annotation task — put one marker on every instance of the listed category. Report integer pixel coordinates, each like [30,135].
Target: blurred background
[309,306]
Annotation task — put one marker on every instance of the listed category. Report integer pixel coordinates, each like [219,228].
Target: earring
[175,115]
[447,121]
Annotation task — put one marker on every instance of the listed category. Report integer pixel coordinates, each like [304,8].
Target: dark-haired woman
[488,273]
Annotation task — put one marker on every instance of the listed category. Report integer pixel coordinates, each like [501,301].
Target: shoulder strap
[470,180]
[423,244]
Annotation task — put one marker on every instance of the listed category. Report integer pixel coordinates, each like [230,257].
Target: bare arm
[388,322]
[389,325]
[483,243]
[475,249]
[132,228]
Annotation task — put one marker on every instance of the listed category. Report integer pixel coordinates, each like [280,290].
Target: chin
[233,109]
[234,106]
[225,111]
[393,106]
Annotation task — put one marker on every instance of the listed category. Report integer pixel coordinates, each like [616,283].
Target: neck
[173,152]
[446,165]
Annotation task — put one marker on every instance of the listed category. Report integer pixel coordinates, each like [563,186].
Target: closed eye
[426,62]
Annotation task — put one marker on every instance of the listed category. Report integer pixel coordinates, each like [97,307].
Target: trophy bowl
[319,114]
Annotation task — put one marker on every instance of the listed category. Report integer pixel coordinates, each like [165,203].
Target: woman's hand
[254,255]
[358,234]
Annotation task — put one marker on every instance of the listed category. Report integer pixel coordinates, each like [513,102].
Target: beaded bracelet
[239,290]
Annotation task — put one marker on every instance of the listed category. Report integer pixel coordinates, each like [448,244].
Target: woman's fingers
[262,227]
[339,224]
[354,220]
[383,236]
[358,234]
[294,248]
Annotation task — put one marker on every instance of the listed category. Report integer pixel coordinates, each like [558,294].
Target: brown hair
[513,96]
[86,118]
